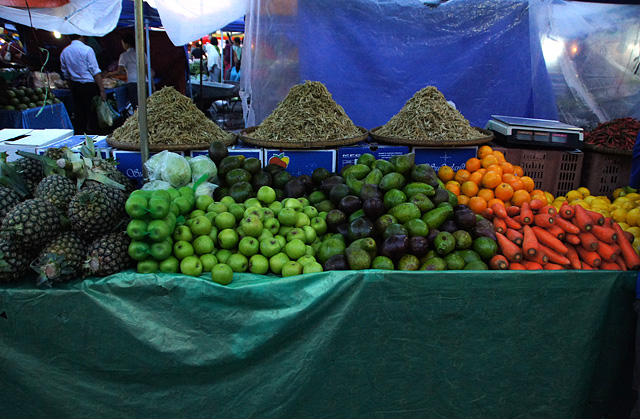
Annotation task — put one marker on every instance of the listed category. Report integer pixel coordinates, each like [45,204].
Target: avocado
[394,247]
[405,212]
[392,180]
[294,188]
[261,179]
[273,169]
[241,191]
[408,262]
[252,165]
[227,164]
[350,204]
[366,159]
[319,175]
[336,263]
[358,259]
[280,179]
[360,228]
[383,165]
[237,175]
[338,192]
[404,163]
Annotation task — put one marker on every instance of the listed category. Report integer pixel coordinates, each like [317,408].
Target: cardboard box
[130,163]
[12,140]
[302,162]
[350,154]
[438,157]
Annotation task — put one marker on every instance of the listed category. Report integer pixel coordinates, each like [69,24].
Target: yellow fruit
[633,216]
[633,196]
[556,204]
[620,200]
[571,195]
[629,205]
[582,204]
[549,196]
[620,215]
[584,191]
[635,230]
[616,193]
[624,225]
[561,198]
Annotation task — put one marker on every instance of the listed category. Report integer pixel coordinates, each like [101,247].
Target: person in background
[235,72]
[227,58]
[127,65]
[634,182]
[80,68]
[214,58]
[237,50]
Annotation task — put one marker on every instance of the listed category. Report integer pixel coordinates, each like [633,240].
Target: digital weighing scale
[545,133]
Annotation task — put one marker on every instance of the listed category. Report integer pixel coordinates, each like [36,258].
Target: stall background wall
[485,56]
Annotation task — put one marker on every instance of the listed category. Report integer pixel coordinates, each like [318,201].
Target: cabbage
[202,165]
[204,188]
[170,167]
[155,185]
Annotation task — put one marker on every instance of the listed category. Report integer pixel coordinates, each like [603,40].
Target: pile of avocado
[21,98]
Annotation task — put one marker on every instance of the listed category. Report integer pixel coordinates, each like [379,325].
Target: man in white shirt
[214,58]
[127,65]
[80,68]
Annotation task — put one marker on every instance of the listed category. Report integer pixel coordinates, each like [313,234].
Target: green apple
[227,200]
[255,211]
[323,215]
[170,265]
[203,202]
[258,264]
[191,266]
[277,261]
[319,225]
[302,220]
[136,207]
[281,239]
[309,250]
[267,214]
[266,194]
[182,249]
[137,229]
[304,201]
[295,249]
[265,235]
[309,234]
[223,255]
[203,245]
[158,230]
[296,233]
[238,262]
[313,267]
[270,247]
[306,259]
[276,206]
[284,230]
[252,202]
[139,250]
[237,210]
[184,204]
[222,273]
[162,250]
[294,204]
[159,206]
[225,220]
[287,216]
[214,234]
[196,213]
[201,226]
[249,246]
[211,216]
[217,207]
[271,224]
[291,269]
[228,238]
[148,266]
[174,209]
[252,226]
[208,262]
[310,211]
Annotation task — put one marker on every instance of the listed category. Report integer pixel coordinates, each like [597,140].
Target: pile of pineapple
[62,215]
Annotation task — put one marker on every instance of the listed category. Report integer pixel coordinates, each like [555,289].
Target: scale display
[541,133]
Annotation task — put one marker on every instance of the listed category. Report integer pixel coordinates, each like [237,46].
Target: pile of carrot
[537,236]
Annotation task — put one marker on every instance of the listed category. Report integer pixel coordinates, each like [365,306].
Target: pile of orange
[488,179]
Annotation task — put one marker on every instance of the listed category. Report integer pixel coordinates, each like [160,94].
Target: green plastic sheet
[373,344]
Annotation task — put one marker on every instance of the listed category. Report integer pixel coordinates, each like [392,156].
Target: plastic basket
[605,172]
[555,171]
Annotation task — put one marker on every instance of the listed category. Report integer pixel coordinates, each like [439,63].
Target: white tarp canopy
[183,20]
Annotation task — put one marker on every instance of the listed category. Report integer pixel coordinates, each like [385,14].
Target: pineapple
[31,224]
[54,153]
[107,255]
[8,199]
[95,210]
[61,259]
[13,262]
[58,190]
[29,169]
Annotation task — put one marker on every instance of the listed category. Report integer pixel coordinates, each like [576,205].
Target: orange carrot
[617,249]
[543,220]
[512,211]
[526,215]
[582,219]
[548,209]
[631,258]
[532,266]
[512,252]
[499,225]
[587,267]
[499,210]
[630,238]
[598,219]
[511,223]
[572,239]
[529,242]
[552,267]
[607,252]
[609,266]
[566,225]
[588,241]
[591,258]
[499,262]
[536,204]
[517,219]
[540,257]
[573,257]
[556,231]
[566,211]
[515,236]
[487,213]
[515,266]
[621,264]
[549,240]
[604,234]
[554,257]
[608,221]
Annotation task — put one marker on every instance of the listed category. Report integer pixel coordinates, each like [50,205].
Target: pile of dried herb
[427,116]
[172,119]
[620,134]
[308,113]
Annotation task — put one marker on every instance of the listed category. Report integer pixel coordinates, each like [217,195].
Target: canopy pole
[148,63]
[142,94]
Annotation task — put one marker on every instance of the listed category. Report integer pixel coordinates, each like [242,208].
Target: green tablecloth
[337,344]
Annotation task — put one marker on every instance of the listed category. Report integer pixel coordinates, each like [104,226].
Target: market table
[52,116]
[333,344]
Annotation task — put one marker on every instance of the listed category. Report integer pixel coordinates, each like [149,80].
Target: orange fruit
[463,199]
[491,180]
[462,176]
[495,168]
[472,164]
[537,192]
[476,177]
[528,183]
[507,177]
[516,183]
[453,186]
[500,156]
[445,173]
[519,197]
[488,160]
[541,197]
[483,151]
[477,204]
[482,171]
[503,191]
[506,167]
[486,194]
[469,188]
[517,170]
[495,201]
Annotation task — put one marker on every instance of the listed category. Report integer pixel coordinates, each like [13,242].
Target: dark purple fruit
[383,222]
[335,217]
[418,246]
[395,229]
[431,237]
[360,228]
[327,184]
[350,204]
[307,182]
[395,247]
[440,196]
[336,263]
[370,191]
[373,208]
[449,226]
[464,218]
[294,188]
[343,229]
[483,228]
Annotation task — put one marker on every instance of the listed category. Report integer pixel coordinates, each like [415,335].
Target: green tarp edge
[335,344]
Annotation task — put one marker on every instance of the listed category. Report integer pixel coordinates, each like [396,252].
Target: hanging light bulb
[56,35]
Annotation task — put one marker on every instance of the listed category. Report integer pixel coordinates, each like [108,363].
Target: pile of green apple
[174,231]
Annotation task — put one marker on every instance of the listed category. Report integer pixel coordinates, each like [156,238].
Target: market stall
[52,116]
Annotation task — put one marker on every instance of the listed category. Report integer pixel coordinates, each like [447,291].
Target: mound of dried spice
[620,134]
